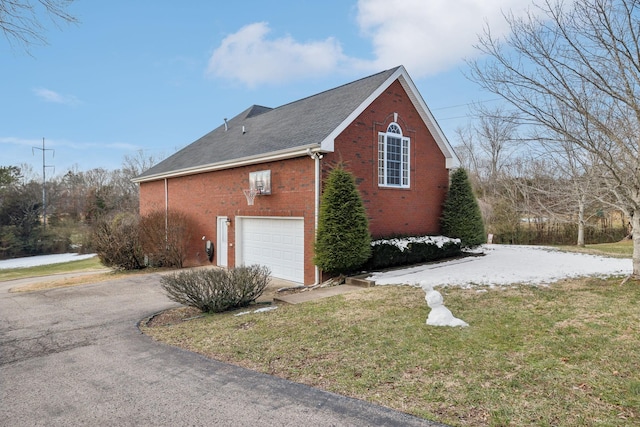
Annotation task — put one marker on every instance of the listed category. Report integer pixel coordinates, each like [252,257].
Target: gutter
[229,164]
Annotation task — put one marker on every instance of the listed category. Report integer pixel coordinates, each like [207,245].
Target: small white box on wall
[260,181]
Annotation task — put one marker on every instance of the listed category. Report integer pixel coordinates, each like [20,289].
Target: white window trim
[405,160]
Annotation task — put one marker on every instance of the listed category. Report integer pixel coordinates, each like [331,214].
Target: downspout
[316,158]
[166,211]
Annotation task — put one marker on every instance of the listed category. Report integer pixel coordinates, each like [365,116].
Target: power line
[466,116]
[467,104]
[44,180]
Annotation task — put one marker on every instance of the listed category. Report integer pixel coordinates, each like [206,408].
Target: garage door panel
[277,243]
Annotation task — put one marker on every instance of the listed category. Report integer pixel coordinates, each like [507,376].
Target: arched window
[393,158]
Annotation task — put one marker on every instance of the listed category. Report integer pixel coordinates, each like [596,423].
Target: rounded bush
[214,290]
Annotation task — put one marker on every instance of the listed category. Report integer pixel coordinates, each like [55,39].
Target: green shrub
[396,252]
[343,240]
[10,243]
[384,255]
[214,290]
[461,217]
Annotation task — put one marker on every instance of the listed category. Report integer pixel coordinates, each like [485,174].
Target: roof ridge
[390,71]
[301,123]
[256,110]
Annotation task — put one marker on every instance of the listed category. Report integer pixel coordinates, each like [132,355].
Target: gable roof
[261,134]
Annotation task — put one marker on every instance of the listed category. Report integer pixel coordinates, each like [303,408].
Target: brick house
[378,126]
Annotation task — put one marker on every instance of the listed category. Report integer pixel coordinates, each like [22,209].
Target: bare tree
[132,166]
[21,20]
[564,186]
[575,66]
[487,144]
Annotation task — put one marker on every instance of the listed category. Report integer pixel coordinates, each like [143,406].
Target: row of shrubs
[559,234]
[395,252]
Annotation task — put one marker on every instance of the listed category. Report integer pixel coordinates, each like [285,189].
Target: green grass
[560,355]
[623,249]
[46,270]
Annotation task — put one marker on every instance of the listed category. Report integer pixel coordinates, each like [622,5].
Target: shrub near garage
[214,290]
[164,237]
[343,240]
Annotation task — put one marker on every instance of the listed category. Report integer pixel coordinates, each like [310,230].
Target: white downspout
[317,158]
[166,211]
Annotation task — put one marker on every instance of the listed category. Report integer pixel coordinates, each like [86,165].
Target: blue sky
[157,75]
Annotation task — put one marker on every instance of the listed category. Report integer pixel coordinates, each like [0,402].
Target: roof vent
[243,130]
[226,126]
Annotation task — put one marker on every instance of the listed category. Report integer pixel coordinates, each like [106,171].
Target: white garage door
[277,243]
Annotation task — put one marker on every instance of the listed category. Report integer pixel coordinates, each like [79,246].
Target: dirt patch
[173,316]
[53,282]
[178,315]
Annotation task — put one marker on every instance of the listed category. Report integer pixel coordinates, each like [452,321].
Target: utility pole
[44,180]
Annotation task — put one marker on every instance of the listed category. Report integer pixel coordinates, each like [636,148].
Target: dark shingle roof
[303,123]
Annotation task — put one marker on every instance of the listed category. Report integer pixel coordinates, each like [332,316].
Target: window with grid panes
[393,158]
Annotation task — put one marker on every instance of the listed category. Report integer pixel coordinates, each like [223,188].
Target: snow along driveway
[505,265]
[33,261]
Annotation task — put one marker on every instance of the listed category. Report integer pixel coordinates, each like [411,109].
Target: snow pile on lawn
[504,265]
[403,243]
[34,261]
[260,310]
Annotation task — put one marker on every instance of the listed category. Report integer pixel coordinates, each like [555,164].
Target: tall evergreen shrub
[461,217]
[343,242]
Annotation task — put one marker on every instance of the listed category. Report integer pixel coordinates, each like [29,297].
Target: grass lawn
[623,249]
[46,270]
[81,266]
[563,355]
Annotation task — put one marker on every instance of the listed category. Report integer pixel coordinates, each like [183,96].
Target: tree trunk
[580,223]
[635,223]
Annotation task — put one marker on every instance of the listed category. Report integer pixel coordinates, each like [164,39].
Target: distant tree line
[533,192]
[75,202]
[570,73]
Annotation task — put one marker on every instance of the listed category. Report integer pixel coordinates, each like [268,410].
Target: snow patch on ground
[403,243]
[505,265]
[34,261]
[260,310]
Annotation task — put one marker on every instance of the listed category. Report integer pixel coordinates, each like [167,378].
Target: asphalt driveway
[74,356]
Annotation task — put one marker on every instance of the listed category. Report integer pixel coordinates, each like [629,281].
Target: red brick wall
[412,211]
[206,196]
[151,197]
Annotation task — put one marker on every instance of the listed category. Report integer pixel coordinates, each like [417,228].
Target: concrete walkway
[314,294]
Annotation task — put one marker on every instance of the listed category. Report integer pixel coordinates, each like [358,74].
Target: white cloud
[427,37]
[63,143]
[248,56]
[55,97]
[124,146]
[10,140]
